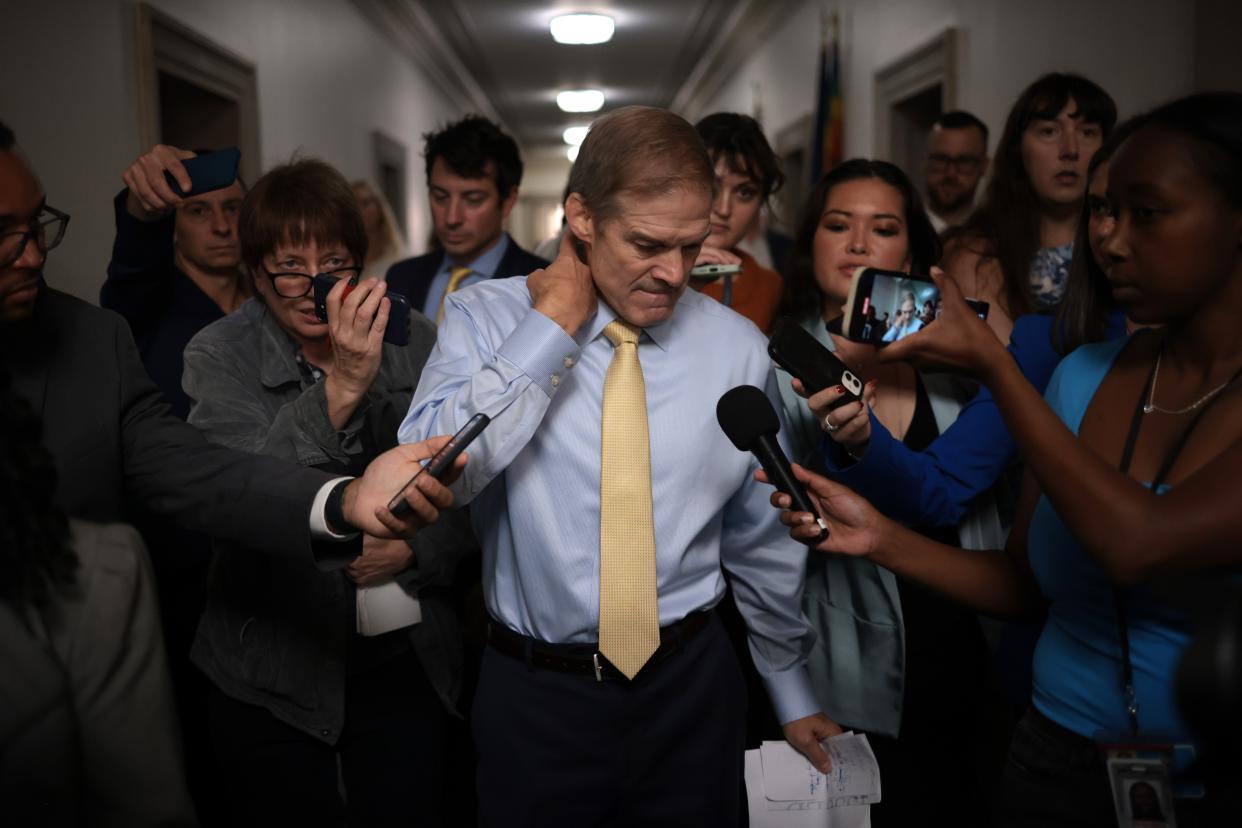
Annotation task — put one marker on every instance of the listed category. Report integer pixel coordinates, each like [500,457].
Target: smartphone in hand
[209,171]
[442,460]
[887,305]
[714,271]
[795,350]
[397,332]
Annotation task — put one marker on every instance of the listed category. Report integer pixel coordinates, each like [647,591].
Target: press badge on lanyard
[1140,763]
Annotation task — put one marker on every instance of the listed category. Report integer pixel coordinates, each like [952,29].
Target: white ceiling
[498,57]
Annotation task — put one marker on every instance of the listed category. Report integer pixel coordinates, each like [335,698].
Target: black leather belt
[585,659]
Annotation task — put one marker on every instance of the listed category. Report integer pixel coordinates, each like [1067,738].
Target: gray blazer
[276,634]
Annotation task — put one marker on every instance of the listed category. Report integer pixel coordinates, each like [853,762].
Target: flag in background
[829,138]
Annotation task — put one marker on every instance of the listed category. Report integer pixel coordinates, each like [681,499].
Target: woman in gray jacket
[297,684]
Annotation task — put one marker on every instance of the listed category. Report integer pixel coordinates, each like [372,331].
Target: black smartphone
[886,305]
[397,332]
[801,355]
[209,171]
[442,460]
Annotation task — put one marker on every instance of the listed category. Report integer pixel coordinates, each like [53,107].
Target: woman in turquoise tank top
[1094,538]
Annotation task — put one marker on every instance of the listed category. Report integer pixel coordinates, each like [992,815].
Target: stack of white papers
[785,791]
[386,607]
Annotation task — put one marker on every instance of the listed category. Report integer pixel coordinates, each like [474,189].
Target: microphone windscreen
[746,414]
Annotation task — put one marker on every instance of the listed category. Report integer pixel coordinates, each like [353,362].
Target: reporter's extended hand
[848,424]
[716,255]
[356,326]
[150,197]
[854,525]
[958,341]
[381,559]
[564,290]
[366,498]
[805,735]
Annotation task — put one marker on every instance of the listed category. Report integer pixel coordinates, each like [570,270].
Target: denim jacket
[276,632]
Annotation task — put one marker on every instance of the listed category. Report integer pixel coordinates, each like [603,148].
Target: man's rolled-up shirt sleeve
[510,377]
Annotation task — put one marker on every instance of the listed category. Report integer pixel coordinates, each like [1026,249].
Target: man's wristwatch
[334,509]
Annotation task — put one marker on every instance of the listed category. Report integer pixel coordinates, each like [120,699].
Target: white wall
[326,79]
[1141,51]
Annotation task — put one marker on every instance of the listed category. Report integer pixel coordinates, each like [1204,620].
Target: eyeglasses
[938,162]
[293,285]
[47,229]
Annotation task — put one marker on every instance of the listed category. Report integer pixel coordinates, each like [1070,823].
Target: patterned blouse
[1049,269]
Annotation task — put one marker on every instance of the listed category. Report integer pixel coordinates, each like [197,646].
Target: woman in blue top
[1089,524]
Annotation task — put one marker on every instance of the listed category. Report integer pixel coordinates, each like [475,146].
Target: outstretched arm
[1130,530]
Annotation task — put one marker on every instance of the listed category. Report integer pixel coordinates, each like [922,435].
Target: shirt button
[556,380]
[568,362]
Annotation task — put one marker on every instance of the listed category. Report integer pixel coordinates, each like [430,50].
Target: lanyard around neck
[1127,454]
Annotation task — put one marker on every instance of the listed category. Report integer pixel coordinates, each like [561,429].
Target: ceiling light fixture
[580,100]
[575,135]
[572,153]
[582,29]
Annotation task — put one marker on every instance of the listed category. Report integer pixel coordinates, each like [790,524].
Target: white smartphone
[714,271]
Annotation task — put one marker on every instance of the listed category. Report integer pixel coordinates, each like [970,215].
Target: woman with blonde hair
[383,236]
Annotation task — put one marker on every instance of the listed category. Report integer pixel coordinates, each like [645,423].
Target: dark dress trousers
[412,277]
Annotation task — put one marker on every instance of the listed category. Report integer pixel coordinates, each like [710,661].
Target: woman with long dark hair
[1014,251]
[928,654]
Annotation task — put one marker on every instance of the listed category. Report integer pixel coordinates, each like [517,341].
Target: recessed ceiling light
[572,152]
[575,135]
[582,29]
[580,100]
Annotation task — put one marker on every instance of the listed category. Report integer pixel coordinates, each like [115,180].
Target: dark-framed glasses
[939,162]
[47,228]
[295,285]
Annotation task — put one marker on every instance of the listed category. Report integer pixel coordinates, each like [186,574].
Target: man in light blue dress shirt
[561,738]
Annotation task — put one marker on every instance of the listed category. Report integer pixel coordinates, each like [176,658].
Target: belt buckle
[599,670]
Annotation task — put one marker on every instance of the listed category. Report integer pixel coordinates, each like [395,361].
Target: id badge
[1142,773]
[1142,795]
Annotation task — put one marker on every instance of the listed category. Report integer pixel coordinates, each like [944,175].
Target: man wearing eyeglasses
[957,160]
[114,444]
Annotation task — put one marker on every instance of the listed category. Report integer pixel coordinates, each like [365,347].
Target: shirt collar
[661,335]
[486,263]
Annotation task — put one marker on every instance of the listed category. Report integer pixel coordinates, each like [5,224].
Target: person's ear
[578,217]
[506,206]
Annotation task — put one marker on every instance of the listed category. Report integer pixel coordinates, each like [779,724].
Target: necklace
[1151,393]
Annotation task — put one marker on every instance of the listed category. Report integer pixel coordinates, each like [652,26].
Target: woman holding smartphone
[297,686]
[897,662]
[1132,469]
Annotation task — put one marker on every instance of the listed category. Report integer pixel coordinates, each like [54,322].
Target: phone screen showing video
[898,307]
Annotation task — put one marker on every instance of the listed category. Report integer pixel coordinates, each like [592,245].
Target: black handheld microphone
[747,418]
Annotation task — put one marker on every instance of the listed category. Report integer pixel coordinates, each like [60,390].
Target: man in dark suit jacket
[113,439]
[473,173]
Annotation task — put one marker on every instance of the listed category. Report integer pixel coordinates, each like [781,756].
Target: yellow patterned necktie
[629,621]
[454,282]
